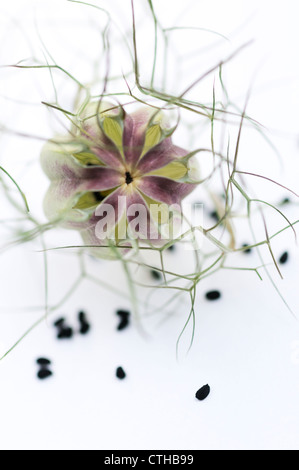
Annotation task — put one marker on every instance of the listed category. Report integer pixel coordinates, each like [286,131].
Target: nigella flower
[118,160]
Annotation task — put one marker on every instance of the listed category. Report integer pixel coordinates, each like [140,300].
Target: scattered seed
[248,250]
[124,319]
[84,328]
[82,316]
[65,333]
[203,393]
[213,295]
[214,215]
[120,373]
[43,361]
[123,324]
[84,324]
[156,275]
[44,374]
[123,313]
[284,258]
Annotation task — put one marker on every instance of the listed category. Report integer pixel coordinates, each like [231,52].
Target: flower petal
[62,200]
[98,248]
[160,156]
[135,126]
[143,130]
[57,159]
[164,189]
[138,211]
[100,179]
[112,212]
[103,134]
[117,200]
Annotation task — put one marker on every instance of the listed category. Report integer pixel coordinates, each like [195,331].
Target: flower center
[129,178]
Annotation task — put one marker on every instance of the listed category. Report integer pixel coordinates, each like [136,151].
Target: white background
[246,345]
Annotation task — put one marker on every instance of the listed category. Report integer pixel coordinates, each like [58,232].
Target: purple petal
[112,211]
[164,189]
[57,160]
[160,156]
[111,157]
[135,126]
[117,200]
[100,179]
[147,229]
[64,193]
[100,144]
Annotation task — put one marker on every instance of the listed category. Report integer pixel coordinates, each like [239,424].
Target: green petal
[152,138]
[113,130]
[158,129]
[174,170]
[91,200]
[87,159]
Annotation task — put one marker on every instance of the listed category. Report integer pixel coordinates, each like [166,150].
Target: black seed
[124,323]
[248,250]
[123,313]
[120,373]
[285,201]
[59,322]
[44,374]
[171,248]
[124,319]
[82,316]
[43,361]
[65,333]
[203,393]
[213,295]
[85,327]
[284,258]
[129,178]
[214,215]
[156,275]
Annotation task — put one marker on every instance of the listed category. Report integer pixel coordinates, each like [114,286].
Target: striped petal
[135,126]
[143,130]
[139,217]
[69,198]
[164,190]
[111,215]
[58,161]
[160,156]
[99,125]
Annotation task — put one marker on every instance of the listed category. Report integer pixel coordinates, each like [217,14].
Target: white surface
[246,345]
